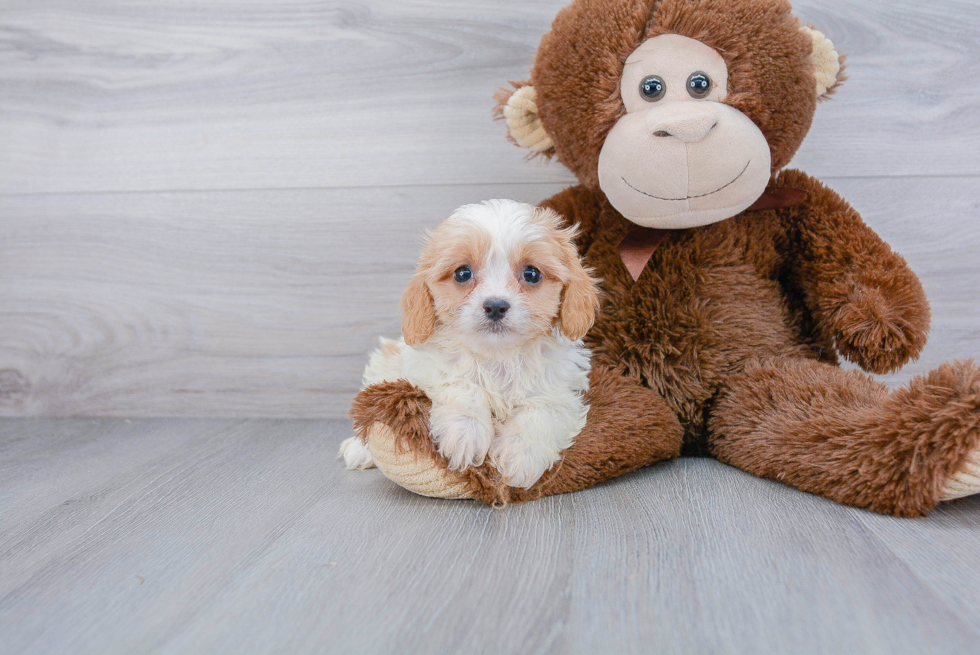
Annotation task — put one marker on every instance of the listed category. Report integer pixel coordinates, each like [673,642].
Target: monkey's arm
[578,205]
[628,426]
[863,295]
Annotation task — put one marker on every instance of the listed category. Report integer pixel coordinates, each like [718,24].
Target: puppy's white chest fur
[522,406]
[546,370]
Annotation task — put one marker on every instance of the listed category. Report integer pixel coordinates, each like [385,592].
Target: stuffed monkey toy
[732,286]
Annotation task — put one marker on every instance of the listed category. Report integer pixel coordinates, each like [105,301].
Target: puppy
[492,325]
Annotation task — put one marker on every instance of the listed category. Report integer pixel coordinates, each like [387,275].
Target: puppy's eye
[532,275]
[699,85]
[463,274]
[652,88]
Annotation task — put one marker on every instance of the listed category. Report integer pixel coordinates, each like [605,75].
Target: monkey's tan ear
[827,62]
[418,312]
[519,108]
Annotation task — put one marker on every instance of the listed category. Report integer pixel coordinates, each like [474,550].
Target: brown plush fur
[737,326]
[844,436]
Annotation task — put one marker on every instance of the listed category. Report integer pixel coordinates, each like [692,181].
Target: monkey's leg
[844,436]
[628,427]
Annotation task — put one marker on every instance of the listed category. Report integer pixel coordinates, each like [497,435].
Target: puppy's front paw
[521,460]
[462,440]
[355,454]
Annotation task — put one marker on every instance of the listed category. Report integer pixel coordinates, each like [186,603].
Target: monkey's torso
[710,300]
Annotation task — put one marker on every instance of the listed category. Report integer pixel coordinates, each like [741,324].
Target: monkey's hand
[863,295]
[880,324]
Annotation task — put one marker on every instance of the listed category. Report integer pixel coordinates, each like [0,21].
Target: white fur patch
[532,440]
[355,454]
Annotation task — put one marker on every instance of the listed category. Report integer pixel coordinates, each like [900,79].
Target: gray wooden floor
[243,536]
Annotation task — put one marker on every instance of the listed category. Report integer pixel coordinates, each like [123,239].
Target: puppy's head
[499,273]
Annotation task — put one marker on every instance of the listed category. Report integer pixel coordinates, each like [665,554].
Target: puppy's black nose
[495,308]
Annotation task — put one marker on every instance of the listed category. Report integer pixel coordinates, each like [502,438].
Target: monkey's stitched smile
[690,197]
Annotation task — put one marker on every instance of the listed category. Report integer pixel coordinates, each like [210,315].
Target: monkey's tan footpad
[420,475]
[966,481]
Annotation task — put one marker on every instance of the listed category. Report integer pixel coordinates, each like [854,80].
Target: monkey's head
[679,111]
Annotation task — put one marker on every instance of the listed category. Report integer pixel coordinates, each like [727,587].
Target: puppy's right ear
[580,298]
[418,311]
[580,302]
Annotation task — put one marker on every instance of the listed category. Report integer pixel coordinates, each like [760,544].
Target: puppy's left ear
[418,311]
[580,299]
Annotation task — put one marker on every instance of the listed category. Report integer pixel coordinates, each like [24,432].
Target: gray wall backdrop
[211,208]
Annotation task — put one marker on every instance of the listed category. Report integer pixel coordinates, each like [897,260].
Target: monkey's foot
[418,472]
[966,481]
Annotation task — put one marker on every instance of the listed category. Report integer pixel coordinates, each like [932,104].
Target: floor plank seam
[570,181]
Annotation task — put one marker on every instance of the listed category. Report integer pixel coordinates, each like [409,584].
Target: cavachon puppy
[492,326]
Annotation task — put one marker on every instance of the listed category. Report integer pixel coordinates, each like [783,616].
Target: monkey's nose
[495,308]
[689,123]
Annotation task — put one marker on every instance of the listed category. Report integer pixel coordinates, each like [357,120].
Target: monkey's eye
[463,274]
[699,85]
[532,275]
[652,88]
